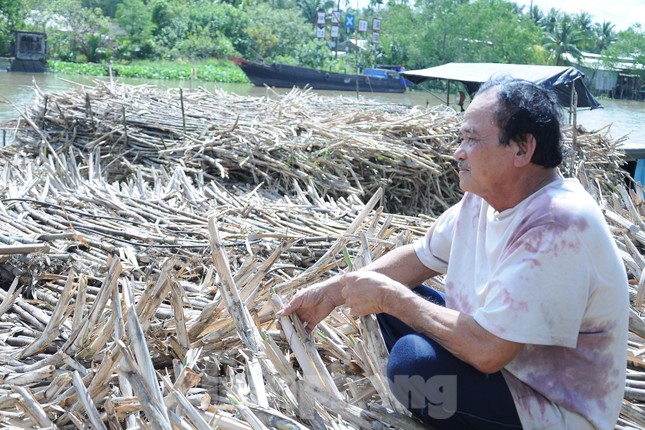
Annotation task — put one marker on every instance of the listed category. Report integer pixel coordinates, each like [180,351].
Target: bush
[213,71]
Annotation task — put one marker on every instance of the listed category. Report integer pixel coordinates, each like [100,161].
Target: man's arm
[459,333]
[402,265]
[368,292]
[314,303]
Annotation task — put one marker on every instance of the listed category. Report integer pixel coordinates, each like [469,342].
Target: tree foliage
[277,32]
[564,39]
[629,47]
[74,33]
[447,31]
[10,18]
[108,7]
[415,33]
[135,20]
[485,40]
[201,29]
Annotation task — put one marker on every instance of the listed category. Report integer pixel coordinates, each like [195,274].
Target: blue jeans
[438,388]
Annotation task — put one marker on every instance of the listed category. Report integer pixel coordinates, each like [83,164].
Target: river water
[625,117]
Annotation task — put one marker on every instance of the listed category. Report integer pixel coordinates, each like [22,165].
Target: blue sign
[349,21]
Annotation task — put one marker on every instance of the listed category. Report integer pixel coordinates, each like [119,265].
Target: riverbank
[208,71]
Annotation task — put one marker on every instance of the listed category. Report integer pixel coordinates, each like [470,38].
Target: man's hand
[314,303]
[367,292]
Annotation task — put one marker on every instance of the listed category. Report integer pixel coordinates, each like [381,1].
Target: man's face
[485,166]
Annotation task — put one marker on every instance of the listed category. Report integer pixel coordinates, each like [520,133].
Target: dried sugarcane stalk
[23,249]
[313,370]
[144,362]
[377,354]
[245,327]
[238,311]
[32,407]
[248,415]
[149,398]
[52,330]
[195,417]
[28,378]
[9,297]
[88,404]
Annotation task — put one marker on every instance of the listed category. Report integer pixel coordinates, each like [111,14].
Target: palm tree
[310,8]
[564,40]
[605,36]
[583,21]
[375,4]
[550,20]
[536,14]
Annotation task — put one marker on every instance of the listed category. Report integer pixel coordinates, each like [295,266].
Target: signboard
[362,25]
[320,32]
[320,18]
[334,31]
[349,22]
[30,46]
[376,37]
[376,24]
[335,17]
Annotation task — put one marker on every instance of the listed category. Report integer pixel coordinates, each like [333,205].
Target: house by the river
[618,79]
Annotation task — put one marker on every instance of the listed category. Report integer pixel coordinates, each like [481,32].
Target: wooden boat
[379,80]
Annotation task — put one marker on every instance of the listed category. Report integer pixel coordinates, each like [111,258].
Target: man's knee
[416,378]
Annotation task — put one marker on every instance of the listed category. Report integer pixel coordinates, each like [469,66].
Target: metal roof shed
[472,75]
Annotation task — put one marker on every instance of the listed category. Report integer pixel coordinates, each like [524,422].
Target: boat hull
[287,76]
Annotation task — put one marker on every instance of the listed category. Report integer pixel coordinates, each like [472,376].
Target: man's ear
[525,149]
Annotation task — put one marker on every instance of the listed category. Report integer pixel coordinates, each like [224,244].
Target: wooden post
[183,113]
[573,119]
[125,125]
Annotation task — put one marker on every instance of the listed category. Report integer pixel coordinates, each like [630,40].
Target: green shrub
[212,71]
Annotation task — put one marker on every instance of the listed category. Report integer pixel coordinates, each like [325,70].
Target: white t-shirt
[546,273]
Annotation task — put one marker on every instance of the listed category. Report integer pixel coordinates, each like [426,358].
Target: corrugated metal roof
[472,75]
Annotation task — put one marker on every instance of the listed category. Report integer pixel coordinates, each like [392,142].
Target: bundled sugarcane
[149,238]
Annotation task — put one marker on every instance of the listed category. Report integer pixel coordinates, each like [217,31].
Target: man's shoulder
[566,197]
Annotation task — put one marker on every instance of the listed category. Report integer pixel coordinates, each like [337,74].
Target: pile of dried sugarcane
[149,237]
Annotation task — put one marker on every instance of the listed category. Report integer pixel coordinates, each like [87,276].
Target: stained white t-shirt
[545,273]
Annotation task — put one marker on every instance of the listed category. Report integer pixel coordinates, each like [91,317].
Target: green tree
[584,25]
[536,14]
[310,8]
[11,18]
[481,31]
[108,7]
[135,19]
[629,48]
[74,33]
[437,37]
[604,36]
[200,29]
[564,39]
[281,4]
[493,31]
[278,33]
[399,42]
[550,20]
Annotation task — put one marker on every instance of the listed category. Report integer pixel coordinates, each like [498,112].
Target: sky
[621,13]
